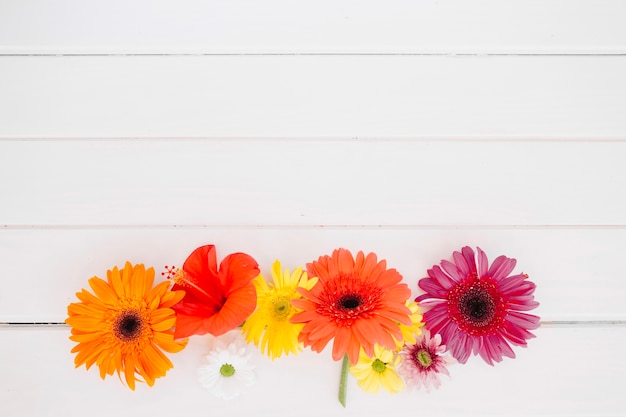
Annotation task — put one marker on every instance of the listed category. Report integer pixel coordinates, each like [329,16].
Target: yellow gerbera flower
[409,333]
[269,326]
[378,371]
[124,326]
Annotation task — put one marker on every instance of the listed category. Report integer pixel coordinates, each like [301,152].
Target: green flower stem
[343,381]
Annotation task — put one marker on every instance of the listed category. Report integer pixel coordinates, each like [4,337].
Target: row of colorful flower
[358,303]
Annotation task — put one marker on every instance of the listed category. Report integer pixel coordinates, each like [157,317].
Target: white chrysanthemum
[227,369]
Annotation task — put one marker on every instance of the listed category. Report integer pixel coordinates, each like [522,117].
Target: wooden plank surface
[311,182]
[140,130]
[519,97]
[579,272]
[321,26]
[574,371]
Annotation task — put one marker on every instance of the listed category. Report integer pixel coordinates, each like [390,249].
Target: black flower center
[350,301]
[345,305]
[477,306]
[128,326]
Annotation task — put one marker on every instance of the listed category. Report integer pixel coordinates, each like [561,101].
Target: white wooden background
[141,130]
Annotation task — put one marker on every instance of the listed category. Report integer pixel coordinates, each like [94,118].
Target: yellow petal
[391,381]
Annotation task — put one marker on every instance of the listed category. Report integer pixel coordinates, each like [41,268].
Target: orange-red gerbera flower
[359,303]
[216,301]
[124,326]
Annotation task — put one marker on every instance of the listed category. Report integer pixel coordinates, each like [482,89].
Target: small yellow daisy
[378,371]
[409,333]
[269,326]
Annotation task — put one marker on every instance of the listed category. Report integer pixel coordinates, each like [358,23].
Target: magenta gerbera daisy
[477,308]
[424,361]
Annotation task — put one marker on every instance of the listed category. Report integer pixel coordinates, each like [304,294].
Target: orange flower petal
[129,371]
[171,298]
[114,278]
[358,301]
[166,342]
[102,289]
[96,325]
[164,325]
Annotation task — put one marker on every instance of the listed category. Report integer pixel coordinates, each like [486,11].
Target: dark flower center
[477,306]
[350,301]
[128,326]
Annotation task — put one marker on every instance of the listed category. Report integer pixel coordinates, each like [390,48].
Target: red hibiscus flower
[215,301]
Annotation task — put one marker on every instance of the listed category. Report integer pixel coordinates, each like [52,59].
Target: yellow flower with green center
[378,371]
[269,326]
[409,333]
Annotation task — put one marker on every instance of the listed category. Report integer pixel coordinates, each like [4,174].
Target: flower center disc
[128,326]
[227,370]
[379,366]
[477,307]
[423,358]
[350,301]
[282,308]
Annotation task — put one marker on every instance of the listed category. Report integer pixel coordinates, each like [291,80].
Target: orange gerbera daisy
[359,303]
[215,301]
[124,326]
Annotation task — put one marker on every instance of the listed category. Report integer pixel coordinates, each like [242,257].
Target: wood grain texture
[575,371]
[322,26]
[141,130]
[579,273]
[519,97]
[281,182]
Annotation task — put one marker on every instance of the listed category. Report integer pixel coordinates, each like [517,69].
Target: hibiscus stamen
[181,278]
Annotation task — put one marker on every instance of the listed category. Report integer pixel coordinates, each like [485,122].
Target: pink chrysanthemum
[423,362]
[476,308]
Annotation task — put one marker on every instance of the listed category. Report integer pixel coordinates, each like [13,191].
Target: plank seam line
[469,139]
[10,227]
[329,54]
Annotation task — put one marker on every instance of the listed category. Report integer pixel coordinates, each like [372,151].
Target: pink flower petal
[464,329]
